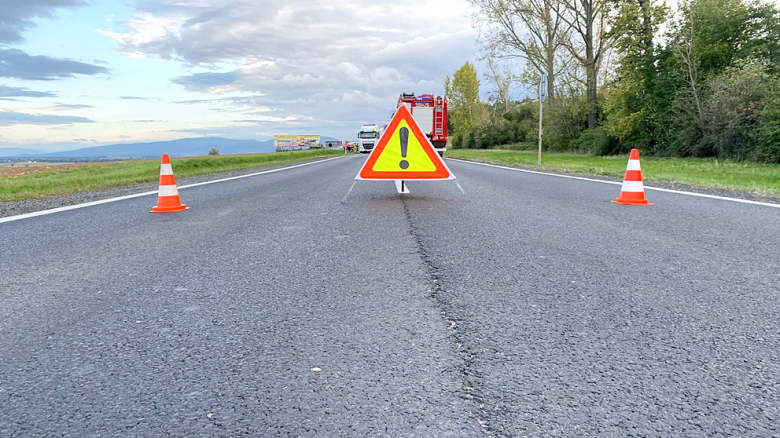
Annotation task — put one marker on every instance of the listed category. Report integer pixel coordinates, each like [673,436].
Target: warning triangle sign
[404,153]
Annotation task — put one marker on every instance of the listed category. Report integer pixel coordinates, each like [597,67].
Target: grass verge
[104,176]
[756,178]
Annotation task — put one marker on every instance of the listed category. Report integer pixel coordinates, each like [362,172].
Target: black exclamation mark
[404,146]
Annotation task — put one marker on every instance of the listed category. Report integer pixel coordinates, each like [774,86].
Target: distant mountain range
[185,147]
[17,152]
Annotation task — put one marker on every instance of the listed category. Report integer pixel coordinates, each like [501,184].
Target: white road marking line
[258,173]
[136,195]
[658,189]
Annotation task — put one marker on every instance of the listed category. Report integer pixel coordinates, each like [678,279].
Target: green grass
[103,176]
[756,178]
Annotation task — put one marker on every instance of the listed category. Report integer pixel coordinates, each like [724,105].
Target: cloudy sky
[76,73]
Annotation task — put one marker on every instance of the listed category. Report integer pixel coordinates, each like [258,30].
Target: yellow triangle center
[392,159]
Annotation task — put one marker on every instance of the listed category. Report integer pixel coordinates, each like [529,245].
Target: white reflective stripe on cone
[632,165]
[633,186]
[166,169]
[168,191]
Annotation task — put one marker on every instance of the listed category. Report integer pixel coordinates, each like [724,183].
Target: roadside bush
[730,113]
[565,118]
[468,140]
[769,128]
[456,141]
[497,133]
[521,112]
[598,142]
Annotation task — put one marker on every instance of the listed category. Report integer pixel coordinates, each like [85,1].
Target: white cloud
[9,118]
[146,30]
[18,16]
[333,63]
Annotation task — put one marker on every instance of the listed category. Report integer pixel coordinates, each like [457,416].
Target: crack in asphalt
[470,377]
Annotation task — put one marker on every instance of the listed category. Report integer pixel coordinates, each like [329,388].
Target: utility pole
[542,97]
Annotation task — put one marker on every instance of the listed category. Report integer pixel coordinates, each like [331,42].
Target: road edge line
[659,189]
[256,173]
[154,192]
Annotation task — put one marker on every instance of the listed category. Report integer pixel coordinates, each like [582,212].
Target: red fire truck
[430,112]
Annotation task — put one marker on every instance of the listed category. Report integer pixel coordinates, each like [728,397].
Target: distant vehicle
[368,137]
[431,114]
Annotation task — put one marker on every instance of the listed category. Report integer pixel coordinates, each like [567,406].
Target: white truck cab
[368,137]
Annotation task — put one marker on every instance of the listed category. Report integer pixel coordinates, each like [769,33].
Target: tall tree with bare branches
[501,81]
[530,29]
[588,43]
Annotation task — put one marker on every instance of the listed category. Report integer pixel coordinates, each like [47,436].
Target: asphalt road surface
[532,307]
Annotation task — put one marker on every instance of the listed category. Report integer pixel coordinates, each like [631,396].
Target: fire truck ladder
[438,119]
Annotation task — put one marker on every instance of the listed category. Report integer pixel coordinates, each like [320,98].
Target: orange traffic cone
[633,191]
[168,197]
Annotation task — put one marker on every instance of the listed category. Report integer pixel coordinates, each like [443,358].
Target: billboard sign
[294,142]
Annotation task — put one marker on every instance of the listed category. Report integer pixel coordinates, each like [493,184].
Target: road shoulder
[14,208]
[648,183]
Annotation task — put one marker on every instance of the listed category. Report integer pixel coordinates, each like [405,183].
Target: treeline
[707,85]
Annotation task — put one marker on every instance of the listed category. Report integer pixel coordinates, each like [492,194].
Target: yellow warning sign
[403,148]
[404,153]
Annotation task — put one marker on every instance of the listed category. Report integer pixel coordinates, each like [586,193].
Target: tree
[634,98]
[714,34]
[530,29]
[501,80]
[716,47]
[588,21]
[465,105]
[769,130]
[732,111]
[728,30]
[686,55]
[632,28]
[214,152]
